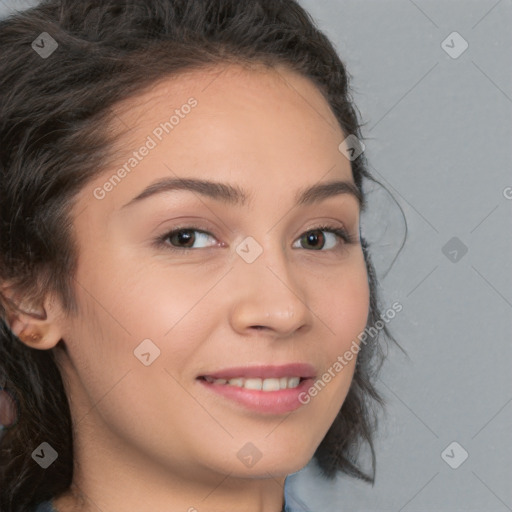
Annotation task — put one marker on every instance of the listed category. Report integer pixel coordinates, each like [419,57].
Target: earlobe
[28,336]
[32,326]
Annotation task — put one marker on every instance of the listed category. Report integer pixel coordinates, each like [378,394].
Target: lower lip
[281,401]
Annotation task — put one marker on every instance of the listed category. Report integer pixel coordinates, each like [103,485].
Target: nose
[268,296]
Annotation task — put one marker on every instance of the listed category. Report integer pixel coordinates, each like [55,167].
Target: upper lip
[303,370]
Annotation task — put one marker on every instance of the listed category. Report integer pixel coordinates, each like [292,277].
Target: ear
[36,325]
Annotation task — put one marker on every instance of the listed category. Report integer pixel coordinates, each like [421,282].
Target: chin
[276,462]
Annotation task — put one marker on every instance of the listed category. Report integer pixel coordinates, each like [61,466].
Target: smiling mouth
[255,383]
[264,389]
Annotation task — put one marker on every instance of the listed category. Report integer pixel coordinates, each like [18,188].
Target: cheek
[345,304]
[344,308]
[133,308]
[135,298]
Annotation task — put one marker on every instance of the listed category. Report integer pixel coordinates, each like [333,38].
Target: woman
[189,312]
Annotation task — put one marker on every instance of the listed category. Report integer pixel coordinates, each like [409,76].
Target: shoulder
[45,506]
[292,503]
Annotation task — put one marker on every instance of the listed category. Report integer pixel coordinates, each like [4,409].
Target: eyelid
[338,231]
[161,240]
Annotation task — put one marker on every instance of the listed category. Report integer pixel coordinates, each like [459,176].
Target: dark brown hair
[54,115]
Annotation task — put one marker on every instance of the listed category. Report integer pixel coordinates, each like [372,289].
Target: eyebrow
[234,195]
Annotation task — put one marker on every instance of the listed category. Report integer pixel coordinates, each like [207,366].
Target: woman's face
[254,287]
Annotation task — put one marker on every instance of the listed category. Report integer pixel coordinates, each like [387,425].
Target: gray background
[438,135]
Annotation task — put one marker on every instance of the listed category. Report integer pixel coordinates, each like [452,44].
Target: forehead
[267,130]
[262,101]
[224,83]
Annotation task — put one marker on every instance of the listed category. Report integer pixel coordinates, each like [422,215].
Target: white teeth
[253,384]
[293,382]
[271,384]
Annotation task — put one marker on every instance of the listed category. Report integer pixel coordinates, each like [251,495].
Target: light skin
[153,437]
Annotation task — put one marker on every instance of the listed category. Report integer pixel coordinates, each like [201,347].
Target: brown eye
[183,238]
[324,237]
[315,239]
[187,238]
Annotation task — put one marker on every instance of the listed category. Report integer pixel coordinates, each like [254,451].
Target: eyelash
[161,241]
